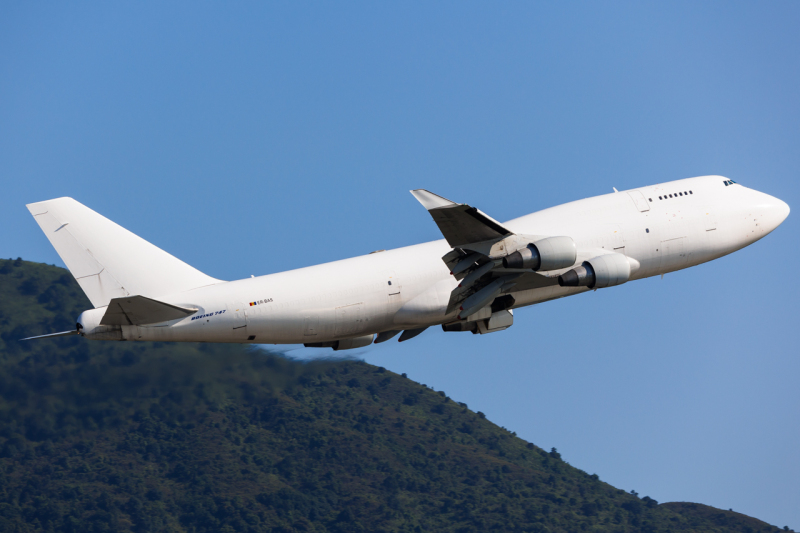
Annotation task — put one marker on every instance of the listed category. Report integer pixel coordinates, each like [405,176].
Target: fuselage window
[670,196]
[650,199]
[680,194]
[690,192]
[685,193]
[726,183]
[647,230]
[659,198]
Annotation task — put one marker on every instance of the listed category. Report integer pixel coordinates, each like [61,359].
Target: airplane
[470,281]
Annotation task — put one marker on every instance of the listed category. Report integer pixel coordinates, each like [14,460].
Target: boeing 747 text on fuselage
[472,280]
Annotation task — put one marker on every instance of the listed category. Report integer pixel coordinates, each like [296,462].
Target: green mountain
[116,436]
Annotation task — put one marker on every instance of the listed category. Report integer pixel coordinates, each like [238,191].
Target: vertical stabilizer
[107,260]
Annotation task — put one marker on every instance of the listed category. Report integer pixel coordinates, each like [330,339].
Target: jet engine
[599,272]
[551,253]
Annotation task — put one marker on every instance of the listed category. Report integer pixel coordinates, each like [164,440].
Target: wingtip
[430,200]
[36,207]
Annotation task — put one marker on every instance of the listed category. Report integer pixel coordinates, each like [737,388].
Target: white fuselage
[407,287]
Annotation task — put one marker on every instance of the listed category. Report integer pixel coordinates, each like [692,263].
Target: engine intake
[551,253]
[599,272]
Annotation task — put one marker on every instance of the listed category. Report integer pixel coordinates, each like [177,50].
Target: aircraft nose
[775,211]
[782,210]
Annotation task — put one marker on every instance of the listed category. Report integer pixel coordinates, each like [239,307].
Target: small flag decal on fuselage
[268,300]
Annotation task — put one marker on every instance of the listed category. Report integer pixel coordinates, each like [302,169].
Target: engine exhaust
[582,276]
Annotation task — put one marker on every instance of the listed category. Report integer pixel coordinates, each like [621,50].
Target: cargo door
[673,254]
[238,311]
[310,326]
[393,291]
[640,201]
[609,237]
[710,220]
[393,286]
[349,319]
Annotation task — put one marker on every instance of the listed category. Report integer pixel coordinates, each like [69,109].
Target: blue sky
[257,138]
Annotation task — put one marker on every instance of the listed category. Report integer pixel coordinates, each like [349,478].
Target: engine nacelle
[551,253]
[599,272]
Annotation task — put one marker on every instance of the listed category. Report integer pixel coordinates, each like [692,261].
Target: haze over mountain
[105,436]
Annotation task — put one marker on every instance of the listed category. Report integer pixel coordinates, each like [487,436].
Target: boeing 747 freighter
[472,280]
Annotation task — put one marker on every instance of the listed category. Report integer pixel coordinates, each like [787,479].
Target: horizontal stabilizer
[60,334]
[140,311]
[460,224]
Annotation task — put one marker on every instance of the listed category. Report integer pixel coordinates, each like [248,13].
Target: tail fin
[107,260]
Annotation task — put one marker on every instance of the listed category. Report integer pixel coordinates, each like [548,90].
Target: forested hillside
[116,436]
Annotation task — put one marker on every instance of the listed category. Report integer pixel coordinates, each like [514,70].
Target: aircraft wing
[460,224]
[479,245]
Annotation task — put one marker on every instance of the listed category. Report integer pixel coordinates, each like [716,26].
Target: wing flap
[140,311]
